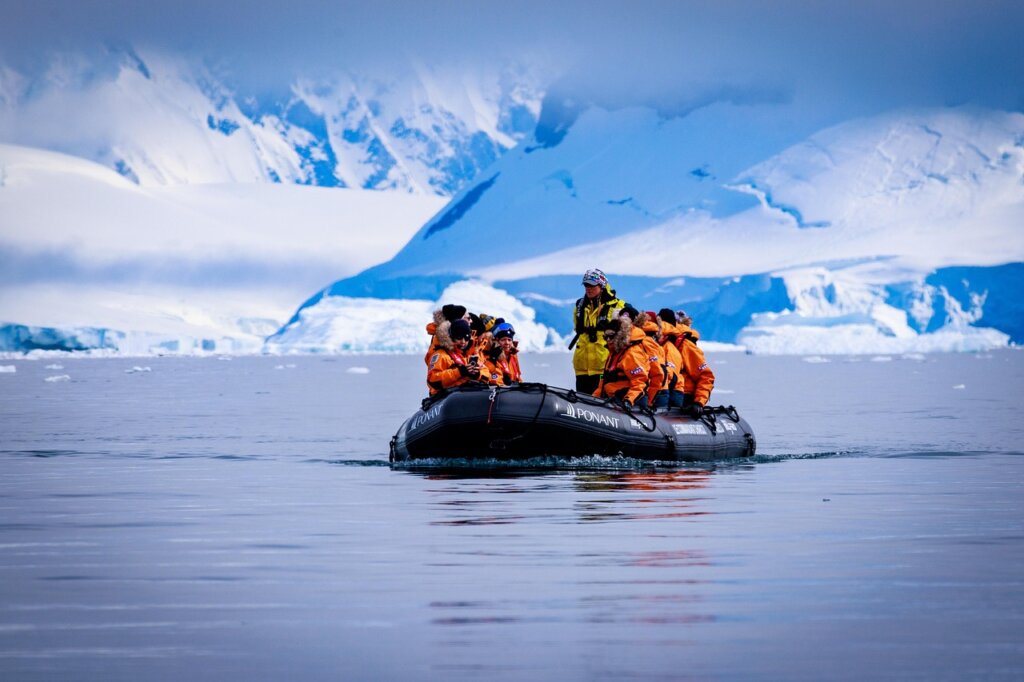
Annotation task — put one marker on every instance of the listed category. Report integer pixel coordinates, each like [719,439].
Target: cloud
[859,53]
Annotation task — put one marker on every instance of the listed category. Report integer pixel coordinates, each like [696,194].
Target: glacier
[895,233]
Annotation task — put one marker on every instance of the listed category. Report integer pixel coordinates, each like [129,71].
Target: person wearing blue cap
[508,361]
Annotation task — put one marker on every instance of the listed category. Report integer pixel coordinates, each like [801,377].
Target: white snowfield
[171,266]
[924,189]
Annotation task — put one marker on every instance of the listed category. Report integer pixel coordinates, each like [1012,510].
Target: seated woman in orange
[655,367]
[671,394]
[698,379]
[508,360]
[489,351]
[449,365]
[625,370]
[448,313]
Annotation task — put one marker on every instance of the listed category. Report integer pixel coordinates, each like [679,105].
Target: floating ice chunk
[55,367]
[288,366]
[136,369]
[959,387]
[881,358]
[8,369]
[920,357]
[57,378]
[816,359]
[358,370]
[224,357]
[724,391]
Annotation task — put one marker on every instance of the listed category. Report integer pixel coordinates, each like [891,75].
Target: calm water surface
[237,519]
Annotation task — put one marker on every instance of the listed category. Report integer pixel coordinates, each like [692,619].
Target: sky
[869,53]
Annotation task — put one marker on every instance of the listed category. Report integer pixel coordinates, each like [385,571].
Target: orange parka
[498,370]
[626,370]
[655,355]
[698,379]
[447,366]
[665,333]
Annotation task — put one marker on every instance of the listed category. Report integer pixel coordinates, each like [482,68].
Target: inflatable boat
[536,420]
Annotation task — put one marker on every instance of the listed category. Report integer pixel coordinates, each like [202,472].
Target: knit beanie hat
[453,312]
[460,329]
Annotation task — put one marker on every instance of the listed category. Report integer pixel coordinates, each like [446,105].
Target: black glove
[627,403]
[696,410]
[506,379]
[463,370]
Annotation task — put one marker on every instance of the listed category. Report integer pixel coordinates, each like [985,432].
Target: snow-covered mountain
[895,233]
[147,204]
[159,119]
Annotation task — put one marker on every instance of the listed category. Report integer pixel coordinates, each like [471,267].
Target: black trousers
[587,383]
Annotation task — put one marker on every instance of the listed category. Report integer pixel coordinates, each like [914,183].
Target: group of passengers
[645,359]
[470,348]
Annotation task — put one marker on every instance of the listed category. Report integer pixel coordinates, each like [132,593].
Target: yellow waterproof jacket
[590,353]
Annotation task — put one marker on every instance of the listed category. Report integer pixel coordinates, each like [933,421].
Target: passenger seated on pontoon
[625,372]
[452,364]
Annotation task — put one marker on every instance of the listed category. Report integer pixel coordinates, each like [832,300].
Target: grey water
[212,519]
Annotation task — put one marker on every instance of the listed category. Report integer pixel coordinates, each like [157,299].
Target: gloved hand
[627,403]
[696,410]
[466,371]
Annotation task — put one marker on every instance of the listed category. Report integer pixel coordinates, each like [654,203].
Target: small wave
[547,463]
[782,457]
[350,462]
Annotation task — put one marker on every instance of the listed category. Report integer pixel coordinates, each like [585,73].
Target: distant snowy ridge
[899,233]
[92,260]
[162,120]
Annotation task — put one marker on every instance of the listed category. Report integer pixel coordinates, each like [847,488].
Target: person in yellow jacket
[588,345]
[625,371]
[451,364]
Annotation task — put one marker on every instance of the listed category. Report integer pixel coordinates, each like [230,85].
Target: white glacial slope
[172,266]
[845,220]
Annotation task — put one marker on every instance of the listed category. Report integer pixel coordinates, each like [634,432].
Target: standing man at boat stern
[589,351]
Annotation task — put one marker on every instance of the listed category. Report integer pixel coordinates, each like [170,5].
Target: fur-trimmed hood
[623,328]
[442,331]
